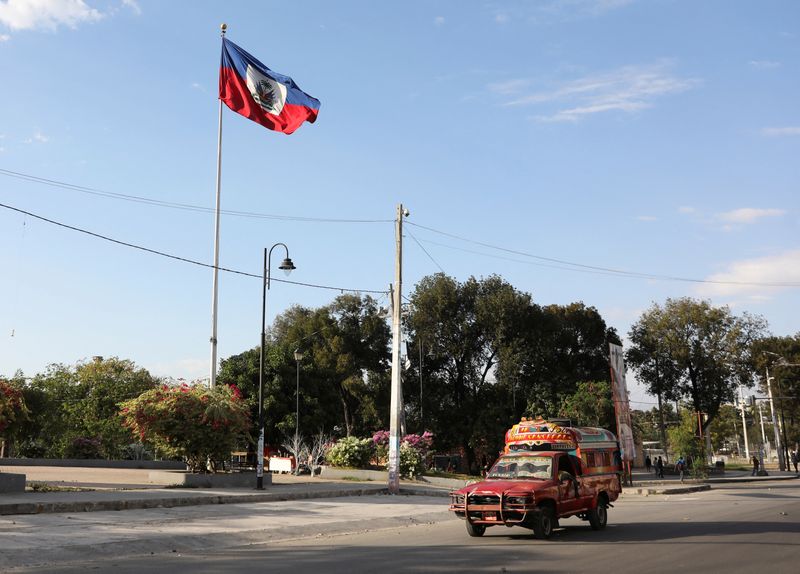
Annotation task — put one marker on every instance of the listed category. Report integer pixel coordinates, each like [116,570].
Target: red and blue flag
[271,99]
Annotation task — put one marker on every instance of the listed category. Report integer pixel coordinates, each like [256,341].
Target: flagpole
[215,283]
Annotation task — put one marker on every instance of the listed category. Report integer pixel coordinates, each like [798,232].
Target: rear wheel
[475,529]
[598,516]
[544,523]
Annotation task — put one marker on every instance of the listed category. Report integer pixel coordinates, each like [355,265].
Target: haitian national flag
[271,99]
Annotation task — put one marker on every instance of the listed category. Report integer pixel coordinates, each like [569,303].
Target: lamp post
[298,356]
[287,267]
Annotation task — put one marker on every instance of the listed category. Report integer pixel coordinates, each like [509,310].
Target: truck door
[568,486]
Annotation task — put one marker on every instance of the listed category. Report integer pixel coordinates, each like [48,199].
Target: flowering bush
[193,422]
[411,461]
[351,452]
[12,405]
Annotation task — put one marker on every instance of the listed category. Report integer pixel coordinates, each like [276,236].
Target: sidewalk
[646,483]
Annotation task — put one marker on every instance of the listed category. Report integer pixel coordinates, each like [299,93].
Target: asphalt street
[748,527]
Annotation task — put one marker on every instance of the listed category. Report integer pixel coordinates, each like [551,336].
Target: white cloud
[4,37]
[778,132]
[686,209]
[501,18]
[509,87]
[772,273]
[439,20]
[628,89]
[37,137]
[646,218]
[749,214]
[46,14]
[568,9]
[133,6]
[764,64]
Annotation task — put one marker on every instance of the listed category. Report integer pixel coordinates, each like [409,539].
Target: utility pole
[396,400]
[778,446]
[744,424]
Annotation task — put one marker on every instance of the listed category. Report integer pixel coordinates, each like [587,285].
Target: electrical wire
[173,205]
[426,252]
[184,259]
[605,270]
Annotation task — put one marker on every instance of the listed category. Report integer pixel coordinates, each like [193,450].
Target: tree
[590,405]
[80,402]
[12,409]
[193,422]
[705,351]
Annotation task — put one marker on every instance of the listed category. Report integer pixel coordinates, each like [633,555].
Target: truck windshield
[511,467]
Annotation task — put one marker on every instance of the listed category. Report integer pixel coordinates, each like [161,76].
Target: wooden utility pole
[396,393]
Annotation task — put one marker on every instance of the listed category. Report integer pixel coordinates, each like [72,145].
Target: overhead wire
[174,205]
[184,259]
[426,251]
[605,270]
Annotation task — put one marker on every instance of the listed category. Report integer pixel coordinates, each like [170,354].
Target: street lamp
[287,267]
[298,356]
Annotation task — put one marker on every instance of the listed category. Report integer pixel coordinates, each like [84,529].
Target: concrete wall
[219,480]
[10,482]
[94,463]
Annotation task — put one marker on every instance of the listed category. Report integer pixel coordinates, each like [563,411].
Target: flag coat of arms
[271,99]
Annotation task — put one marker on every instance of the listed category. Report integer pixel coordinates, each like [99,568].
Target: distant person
[648,463]
[794,460]
[755,466]
[660,468]
[680,466]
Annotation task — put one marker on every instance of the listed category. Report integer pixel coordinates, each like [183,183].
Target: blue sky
[655,137]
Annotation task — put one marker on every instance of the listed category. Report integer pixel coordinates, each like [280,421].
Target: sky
[614,152]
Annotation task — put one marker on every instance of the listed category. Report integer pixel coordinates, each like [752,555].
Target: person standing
[660,468]
[680,466]
[648,463]
[755,466]
[794,460]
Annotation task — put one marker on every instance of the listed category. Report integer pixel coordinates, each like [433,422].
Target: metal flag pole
[215,282]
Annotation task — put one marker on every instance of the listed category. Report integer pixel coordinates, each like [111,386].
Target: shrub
[136,451]
[351,452]
[85,448]
[12,406]
[411,461]
[195,423]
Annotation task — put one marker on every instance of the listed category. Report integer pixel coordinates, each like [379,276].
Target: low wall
[383,476]
[94,463]
[10,482]
[218,480]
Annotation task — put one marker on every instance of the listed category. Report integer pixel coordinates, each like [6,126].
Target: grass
[46,487]
[356,479]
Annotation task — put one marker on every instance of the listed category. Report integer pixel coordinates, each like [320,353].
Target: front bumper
[509,508]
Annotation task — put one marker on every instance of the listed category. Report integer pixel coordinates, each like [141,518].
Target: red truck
[547,472]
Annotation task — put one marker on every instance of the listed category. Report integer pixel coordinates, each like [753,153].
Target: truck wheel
[544,523]
[598,516]
[475,530]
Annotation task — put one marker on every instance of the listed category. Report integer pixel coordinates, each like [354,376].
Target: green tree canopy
[689,349]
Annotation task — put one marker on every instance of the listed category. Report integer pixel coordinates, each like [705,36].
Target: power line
[173,205]
[184,259]
[607,270]
[426,251]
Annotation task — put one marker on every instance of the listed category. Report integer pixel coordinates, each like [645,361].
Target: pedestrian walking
[680,466]
[794,460]
[648,463]
[660,468]
[755,466]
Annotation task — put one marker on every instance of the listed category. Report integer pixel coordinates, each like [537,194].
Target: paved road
[738,528]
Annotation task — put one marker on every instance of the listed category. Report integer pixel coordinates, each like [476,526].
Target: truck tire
[544,522]
[598,516]
[475,530]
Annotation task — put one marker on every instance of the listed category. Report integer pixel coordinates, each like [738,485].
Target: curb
[678,490]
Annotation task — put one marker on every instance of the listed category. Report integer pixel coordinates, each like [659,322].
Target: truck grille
[484,499]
